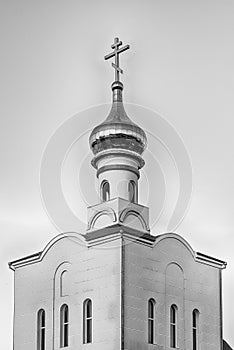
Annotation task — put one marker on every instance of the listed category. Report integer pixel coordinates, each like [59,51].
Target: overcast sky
[181,64]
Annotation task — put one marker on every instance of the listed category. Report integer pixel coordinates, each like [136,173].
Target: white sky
[180,64]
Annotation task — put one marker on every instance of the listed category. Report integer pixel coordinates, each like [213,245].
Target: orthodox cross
[117,50]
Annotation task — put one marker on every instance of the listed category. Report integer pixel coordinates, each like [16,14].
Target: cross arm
[112,54]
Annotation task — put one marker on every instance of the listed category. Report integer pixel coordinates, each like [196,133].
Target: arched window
[173,326]
[41,330]
[105,191]
[64,325]
[195,316]
[132,191]
[151,321]
[87,321]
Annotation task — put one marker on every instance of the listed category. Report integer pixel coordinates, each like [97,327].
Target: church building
[118,286]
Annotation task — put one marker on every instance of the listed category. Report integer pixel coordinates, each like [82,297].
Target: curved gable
[176,237]
[197,256]
[37,257]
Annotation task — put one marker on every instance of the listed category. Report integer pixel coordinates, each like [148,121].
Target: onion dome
[117,131]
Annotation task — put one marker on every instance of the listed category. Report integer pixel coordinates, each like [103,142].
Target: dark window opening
[64,326]
[41,330]
[105,191]
[132,191]
[151,321]
[195,316]
[173,326]
[87,321]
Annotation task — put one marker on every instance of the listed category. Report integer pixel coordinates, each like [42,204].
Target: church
[118,286]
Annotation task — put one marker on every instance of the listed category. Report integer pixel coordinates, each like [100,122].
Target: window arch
[132,191]
[87,321]
[105,191]
[41,330]
[195,317]
[151,321]
[64,325]
[173,326]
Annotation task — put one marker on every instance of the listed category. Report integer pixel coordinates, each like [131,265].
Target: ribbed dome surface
[117,131]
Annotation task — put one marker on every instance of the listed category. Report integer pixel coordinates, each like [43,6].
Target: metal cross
[115,53]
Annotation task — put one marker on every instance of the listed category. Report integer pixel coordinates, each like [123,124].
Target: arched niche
[64,283]
[63,280]
[133,219]
[103,218]
[174,280]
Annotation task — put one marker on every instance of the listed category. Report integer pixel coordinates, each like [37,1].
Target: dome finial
[117,131]
[115,53]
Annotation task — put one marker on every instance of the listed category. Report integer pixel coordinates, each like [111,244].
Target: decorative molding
[198,257]
[107,211]
[126,212]
[118,167]
[115,232]
[209,260]
[37,257]
[118,152]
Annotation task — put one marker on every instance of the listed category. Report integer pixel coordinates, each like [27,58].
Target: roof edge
[36,257]
[209,260]
[99,236]
[198,257]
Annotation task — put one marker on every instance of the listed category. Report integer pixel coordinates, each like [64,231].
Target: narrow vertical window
[132,191]
[87,321]
[105,191]
[151,321]
[173,326]
[41,330]
[195,316]
[64,325]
